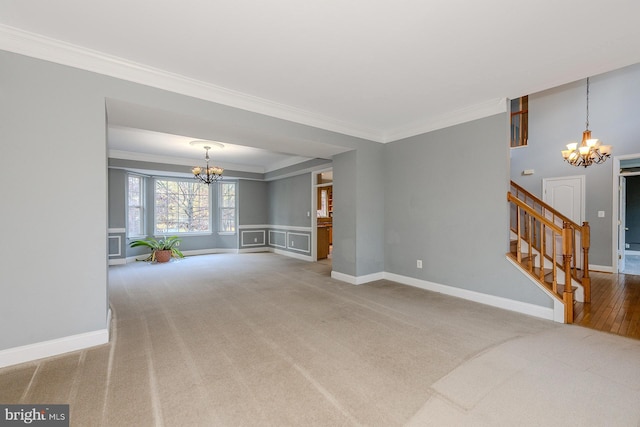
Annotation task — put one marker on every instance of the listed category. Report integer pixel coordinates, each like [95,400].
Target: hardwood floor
[614,307]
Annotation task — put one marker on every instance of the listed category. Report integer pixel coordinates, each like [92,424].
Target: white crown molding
[467,114]
[34,45]
[41,47]
[286,163]
[143,157]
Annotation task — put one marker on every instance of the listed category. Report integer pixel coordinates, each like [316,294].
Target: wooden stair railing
[554,237]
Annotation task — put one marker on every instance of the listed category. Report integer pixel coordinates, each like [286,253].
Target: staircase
[551,249]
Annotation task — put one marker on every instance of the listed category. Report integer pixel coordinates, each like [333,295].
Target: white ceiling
[377,69]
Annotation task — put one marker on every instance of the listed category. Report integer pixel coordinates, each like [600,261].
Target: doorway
[322,190]
[626,205]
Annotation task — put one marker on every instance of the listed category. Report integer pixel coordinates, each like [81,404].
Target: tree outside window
[135,205]
[181,207]
[227,207]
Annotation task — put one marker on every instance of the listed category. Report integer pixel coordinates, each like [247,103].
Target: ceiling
[380,70]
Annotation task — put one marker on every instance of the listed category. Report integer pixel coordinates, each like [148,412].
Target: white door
[622,198]
[567,196]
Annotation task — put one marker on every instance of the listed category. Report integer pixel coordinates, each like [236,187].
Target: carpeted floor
[265,340]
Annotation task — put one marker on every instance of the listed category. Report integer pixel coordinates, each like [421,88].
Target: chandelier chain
[587,127]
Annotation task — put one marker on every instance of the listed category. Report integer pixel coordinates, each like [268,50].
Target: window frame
[221,207]
[140,207]
[521,118]
[157,232]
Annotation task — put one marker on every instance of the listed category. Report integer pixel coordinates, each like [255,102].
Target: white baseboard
[601,268]
[291,254]
[254,250]
[486,299]
[492,300]
[31,352]
[118,261]
[357,280]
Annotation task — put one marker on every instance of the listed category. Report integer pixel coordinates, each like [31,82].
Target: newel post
[567,247]
[586,244]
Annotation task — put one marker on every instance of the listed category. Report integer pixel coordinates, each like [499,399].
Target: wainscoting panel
[252,238]
[299,242]
[278,239]
[116,240]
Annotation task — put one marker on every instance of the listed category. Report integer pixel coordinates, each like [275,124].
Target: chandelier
[590,151]
[208,174]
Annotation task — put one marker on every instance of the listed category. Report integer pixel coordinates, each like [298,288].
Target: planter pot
[163,256]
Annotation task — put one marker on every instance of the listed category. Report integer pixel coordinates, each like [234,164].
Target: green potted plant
[162,250]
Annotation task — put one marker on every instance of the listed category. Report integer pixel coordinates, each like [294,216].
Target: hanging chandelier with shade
[207,174]
[590,151]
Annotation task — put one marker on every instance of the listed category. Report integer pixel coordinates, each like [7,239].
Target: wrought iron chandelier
[208,174]
[590,151]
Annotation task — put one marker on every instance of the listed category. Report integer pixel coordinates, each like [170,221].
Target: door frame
[616,222]
[314,210]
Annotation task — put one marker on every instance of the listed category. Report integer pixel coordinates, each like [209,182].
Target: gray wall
[344,213]
[290,201]
[253,202]
[54,117]
[557,117]
[290,206]
[445,204]
[53,166]
[358,213]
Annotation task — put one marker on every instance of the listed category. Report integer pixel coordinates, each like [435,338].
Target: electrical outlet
[255,240]
[627,246]
[292,243]
[419,263]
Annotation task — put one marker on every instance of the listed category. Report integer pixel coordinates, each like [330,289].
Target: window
[519,121]
[227,206]
[135,205]
[181,207]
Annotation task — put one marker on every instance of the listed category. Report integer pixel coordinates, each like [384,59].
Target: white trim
[601,268]
[615,209]
[558,304]
[31,352]
[273,227]
[467,114]
[629,252]
[119,239]
[142,257]
[254,250]
[486,299]
[116,230]
[492,300]
[119,261]
[181,161]
[291,254]
[253,226]
[358,280]
[290,228]
[31,44]
[38,46]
